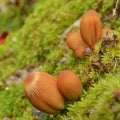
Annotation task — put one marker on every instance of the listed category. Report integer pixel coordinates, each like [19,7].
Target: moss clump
[14,104]
[96,103]
[13,16]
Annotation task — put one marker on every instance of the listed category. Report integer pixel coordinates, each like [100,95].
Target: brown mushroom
[91,28]
[107,33]
[41,90]
[69,85]
[76,43]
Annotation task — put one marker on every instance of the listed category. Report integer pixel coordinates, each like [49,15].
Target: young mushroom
[41,90]
[69,85]
[107,33]
[91,28]
[76,43]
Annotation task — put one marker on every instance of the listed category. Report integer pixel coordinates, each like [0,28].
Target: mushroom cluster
[50,94]
[91,32]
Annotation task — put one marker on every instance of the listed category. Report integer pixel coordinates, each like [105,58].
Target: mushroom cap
[107,33]
[74,40]
[80,52]
[91,28]
[69,85]
[41,90]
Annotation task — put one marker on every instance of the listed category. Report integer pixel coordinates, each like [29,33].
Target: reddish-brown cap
[41,90]
[91,28]
[69,85]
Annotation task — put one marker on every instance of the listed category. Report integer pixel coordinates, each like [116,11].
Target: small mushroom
[41,90]
[69,85]
[107,33]
[91,28]
[76,43]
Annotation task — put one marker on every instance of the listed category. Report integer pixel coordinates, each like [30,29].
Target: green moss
[37,42]
[14,104]
[106,6]
[38,33]
[14,16]
[96,103]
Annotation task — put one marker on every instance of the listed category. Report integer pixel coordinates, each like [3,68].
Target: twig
[115,9]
